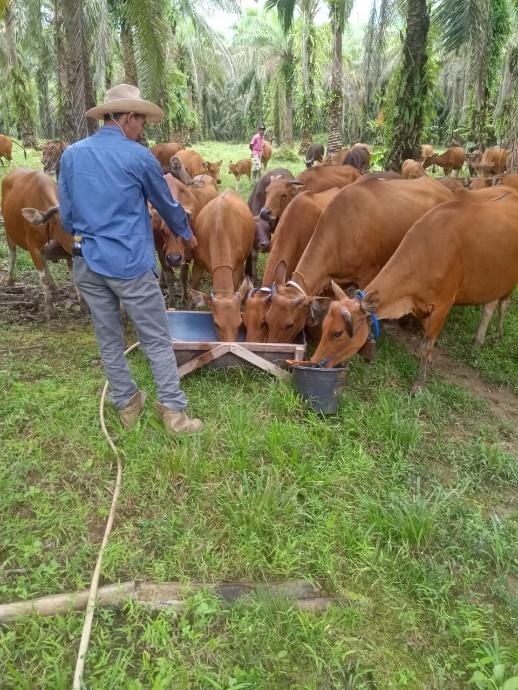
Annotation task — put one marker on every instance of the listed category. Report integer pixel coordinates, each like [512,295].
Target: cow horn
[212,295]
[295,182]
[346,314]
[274,289]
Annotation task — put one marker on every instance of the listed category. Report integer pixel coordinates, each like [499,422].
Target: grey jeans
[144,303]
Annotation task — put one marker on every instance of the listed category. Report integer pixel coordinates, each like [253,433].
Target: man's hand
[192,243]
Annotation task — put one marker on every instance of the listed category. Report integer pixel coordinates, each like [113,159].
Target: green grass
[405,506]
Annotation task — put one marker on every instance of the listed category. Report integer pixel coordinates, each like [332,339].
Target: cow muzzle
[174,260]
[266,214]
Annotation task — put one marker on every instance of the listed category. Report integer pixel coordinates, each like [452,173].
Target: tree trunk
[128,56]
[308,92]
[18,82]
[46,123]
[411,88]
[335,138]
[288,74]
[74,54]
[64,116]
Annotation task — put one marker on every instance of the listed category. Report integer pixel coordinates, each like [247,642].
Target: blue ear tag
[375,325]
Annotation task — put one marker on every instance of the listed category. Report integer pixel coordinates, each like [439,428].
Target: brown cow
[242,167]
[164,153]
[291,237]
[426,153]
[266,154]
[24,193]
[280,192]
[51,153]
[337,158]
[452,159]
[355,236]
[494,162]
[359,157]
[440,262]
[6,149]
[411,169]
[172,250]
[225,233]
[473,158]
[204,188]
[195,165]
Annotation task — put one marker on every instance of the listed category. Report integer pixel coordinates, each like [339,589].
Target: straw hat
[125,98]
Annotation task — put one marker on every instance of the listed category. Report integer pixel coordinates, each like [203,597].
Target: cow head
[170,248]
[262,234]
[178,170]
[279,193]
[290,309]
[212,169]
[345,330]
[52,220]
[226,310]
[257,304]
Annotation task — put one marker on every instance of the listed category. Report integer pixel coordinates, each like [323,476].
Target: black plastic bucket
[321,388]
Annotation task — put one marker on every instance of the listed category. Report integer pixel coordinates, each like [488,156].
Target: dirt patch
[503,402]
[22,303]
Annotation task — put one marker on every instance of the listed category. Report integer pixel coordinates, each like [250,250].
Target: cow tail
[21,146]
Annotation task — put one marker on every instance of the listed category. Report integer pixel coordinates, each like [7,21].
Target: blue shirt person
[105,183]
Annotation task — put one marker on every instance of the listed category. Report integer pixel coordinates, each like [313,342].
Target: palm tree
[18,77]
[339,11]
[286,13]
[268,54]
[411,87]
[76,70]
[482,27]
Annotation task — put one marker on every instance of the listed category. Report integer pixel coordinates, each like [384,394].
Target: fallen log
[157,596]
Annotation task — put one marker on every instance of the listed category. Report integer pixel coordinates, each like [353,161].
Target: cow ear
[199,299]
[318,308]
[337,291]
[245,288]
[280,274]
[370,302]
[33,216]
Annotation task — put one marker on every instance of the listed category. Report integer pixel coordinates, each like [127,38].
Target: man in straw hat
[105,183]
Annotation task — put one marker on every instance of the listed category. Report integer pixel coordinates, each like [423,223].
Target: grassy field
[406,508]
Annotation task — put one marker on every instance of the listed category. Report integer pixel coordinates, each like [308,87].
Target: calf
[411,169]
[355,236]
[24,192]
[51,153]
[452,159]
[266,154]
[281,192]
[473,158]
[359,157]
[164,152]
[337,158]
[494,161]
[224,229]
[6,149]
[291,237]
[172,251]
[195,165]
[440,262]
[314,153]
[239,168]
[426,153]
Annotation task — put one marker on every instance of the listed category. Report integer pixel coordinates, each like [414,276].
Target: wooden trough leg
[205,358]
[258,361]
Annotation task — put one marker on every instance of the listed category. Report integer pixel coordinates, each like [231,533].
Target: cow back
[325,177]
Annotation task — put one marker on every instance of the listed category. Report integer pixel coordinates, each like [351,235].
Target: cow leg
[184,276]
[503,306]
[251,266]
[432,325]
[12,265]
[197,272]
[169,279]
[487,313]
[47,283]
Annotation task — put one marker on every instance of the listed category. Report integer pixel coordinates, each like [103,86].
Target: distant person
[256,147]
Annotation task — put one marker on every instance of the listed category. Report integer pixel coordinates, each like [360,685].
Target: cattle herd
[346,247]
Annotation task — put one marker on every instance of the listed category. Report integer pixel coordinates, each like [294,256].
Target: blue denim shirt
[104,184]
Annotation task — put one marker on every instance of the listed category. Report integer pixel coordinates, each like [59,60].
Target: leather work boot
[178,422]
[130,413]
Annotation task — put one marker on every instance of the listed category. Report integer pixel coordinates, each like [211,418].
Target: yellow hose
[78,683]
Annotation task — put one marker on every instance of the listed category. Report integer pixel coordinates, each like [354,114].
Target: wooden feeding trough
[195,345]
